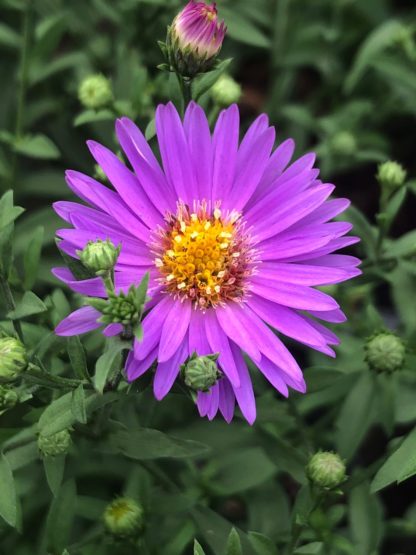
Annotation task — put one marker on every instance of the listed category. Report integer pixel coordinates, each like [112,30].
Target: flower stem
[22,81]
[186,90]
[36,372]
[7,295]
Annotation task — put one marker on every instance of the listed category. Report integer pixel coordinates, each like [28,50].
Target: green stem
[22,81]
[300,425]
[186,89]
[10,304]
[59,381]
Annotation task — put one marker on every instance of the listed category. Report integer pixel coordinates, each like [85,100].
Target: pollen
[204,256]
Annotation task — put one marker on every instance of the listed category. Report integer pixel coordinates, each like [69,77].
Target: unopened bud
[95,92]
[55,444]
[8,398]
[13,358]
[391,175]
[226,91]
[385,352]
[99,256]
[344,143]
[124,517]
[201,373]
[326,470]
[195,38]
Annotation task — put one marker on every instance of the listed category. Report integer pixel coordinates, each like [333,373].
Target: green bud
[201,373]
[95,92]
[326,470]
[55,444]
[124,517]
[13,358]
[344,143]
[99,256]
[391,175]
[8,398]
[226,91]
[385,352]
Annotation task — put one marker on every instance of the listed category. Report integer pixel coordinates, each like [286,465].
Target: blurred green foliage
[340,77]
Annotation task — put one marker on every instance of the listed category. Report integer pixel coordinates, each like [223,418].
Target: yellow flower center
[204,256]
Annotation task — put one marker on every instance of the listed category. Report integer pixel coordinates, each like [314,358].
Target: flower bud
[391,175]
[385,352]
[55,444]
[99,256]
[344,143]
[13,358]
[226,91]
[8,398]
[124,517]
[95,92]
[326,470]
[201,373]
[195,38]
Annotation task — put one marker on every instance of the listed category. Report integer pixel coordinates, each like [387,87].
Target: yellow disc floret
[204,256]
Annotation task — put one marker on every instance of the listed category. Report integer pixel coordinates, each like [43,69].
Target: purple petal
[200,147]
[226,400]
[304,274]
[145,165]
[136,368]
[249,174]
[110,202]
[167,371]
[274,374]
[234,322]
[80,321]
[292,295]
[244,394]
[198,342]
[219,344]
[126,184]
[175,152]
[225,145]
[174,329]
[113,329]
[93,287]
[152,328]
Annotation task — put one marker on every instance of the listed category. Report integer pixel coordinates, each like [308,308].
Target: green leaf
[313,548]
[150,130]
[233,477]
[234,544]
[37,146]
[147,444]
[107,362]
[77,357]
[365,519]
[394,205]
[141,290]
[32,257]
[92,116]
[204,82]
[78,404]
[8,497]
[403,246]
[356,415]
[243,30]
[198,549]
[29,305]
[60,518]
[363,229]
[9,37]
[399,466]
[373,45]
[59,416]
[8,212]
[54,471]
[262,544]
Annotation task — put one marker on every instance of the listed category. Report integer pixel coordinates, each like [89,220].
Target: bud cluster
[8,398]
[95,92]
[55,444]
[99,256]
[226,91]
[391,175]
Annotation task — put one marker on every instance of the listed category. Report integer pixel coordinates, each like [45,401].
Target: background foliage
[337,75]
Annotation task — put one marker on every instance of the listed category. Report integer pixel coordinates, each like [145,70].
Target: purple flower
[235,239]
[196,28]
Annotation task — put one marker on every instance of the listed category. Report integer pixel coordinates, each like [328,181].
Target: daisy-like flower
[234,237]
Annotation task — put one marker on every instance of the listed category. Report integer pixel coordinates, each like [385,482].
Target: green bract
[13,358]
[124,517]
